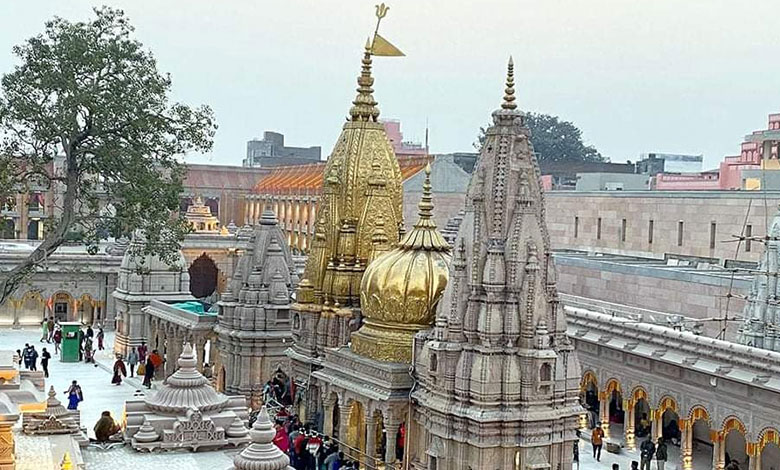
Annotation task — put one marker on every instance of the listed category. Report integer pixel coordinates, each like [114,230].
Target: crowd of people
[307,448]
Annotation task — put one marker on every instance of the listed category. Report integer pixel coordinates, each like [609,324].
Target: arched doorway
[203,277]
[62,307]
[734,443]
[32,308]
[642,423]
[34,229]
[615,413]
[700,448]
[85,309]
[768,450]
[669,427]
[589,397]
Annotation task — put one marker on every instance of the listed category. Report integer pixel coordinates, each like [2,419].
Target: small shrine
[262,453]
[186,413]
[55,419]
[200,217]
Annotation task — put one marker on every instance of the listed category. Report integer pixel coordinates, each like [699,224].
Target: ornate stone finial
[261,453]
[509,91]
[146,433]
[364,106]
[425,205]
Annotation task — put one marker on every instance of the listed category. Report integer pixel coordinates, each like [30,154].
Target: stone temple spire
[262,454]
[761,328]
[497,365]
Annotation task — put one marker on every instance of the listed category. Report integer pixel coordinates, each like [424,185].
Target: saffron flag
[381,47]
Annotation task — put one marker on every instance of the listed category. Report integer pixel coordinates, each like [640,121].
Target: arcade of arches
[632,415]
[32,307]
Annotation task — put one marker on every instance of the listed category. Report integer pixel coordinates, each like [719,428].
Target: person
[26,355]
[142,353]
[105,427]
[660,453]
[50,328]
[148,372]
[75,396]
[44,330]
[33,358]
[597,440]
[576,450]
[88,350]
[157,360]
[45,356]
[647,450]
[132,360]
[337,460]
[19,357]
[100,336]
[733,465]
[615,466]
[281,439]
[57,337]
[644,426]
[119,370]
[634,465]
[90,331]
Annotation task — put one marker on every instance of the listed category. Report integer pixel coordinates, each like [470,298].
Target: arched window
[545,373]
[434,362]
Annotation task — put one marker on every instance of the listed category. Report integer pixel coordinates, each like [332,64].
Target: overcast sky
[684,76]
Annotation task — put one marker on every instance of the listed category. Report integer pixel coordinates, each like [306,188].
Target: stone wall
[664,289]
[708,219]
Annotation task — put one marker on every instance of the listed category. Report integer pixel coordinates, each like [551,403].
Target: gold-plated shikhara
[360,213]
[401,288]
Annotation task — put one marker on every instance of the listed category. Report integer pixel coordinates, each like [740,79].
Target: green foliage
[87,111]
[554,140]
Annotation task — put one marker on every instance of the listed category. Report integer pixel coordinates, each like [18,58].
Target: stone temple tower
[254,314]
[762,311]
[360,216]
[498,380]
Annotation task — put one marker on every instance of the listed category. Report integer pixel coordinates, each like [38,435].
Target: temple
[186,413]
[255,312]
[360,217]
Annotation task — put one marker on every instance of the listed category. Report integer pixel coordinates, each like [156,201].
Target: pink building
[396,137]
[757,147]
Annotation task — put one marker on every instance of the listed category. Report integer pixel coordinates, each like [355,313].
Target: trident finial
[381,10]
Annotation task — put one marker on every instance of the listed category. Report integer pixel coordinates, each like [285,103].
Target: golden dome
[400,289]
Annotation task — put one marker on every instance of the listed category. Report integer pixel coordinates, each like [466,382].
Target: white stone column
[391,431]
[630,423]
[344,424]
[604,412]
[686,444]
[371,440]
[718,451]
[327,422]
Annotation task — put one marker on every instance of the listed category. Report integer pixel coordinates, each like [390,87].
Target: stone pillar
[343,423]
[327,422]
[371,441]
[200,351]
[686,444]
[246,210]
[162,347]
[658,421]
[718,451]
[630,423]
[604,412]
[391,431]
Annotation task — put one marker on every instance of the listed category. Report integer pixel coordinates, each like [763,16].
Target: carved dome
[400,289]
[186,388]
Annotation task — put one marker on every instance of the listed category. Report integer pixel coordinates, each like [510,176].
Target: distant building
[400,147]
[654,163]
[271,151]
[564,175]
[612,182]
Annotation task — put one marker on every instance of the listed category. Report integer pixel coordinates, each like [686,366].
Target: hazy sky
[687,76]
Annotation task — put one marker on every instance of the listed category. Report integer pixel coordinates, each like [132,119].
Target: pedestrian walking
[90,331]
[33,358]
[100,337]
[57,338]
[148,372]
[45,356]
[81,344]
[88,350]
[597,440]
[576,450]
[26,355]
[75,395]
[119,370]
[647,450]
[157,360]
[19,357]
[142,353]
[132,360]
[661,453]
[50,328]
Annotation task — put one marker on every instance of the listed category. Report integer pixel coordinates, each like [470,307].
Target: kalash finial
[425,205]
[509,92]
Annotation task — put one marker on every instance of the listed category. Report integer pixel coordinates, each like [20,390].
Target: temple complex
[186,412]
[55,419]
[254,313]
[200,218]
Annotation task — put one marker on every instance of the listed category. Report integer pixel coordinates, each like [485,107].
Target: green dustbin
[70,341]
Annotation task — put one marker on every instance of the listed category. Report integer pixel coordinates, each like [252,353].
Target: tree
[87,112]
[554,140]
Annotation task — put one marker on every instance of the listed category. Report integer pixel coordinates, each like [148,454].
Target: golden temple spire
[509,91]
[364,106]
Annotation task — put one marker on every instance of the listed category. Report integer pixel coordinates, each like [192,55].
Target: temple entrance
[203,277]
[701,442]
[590,398]
[642,424]
[616,413]
[62,307]
[735,446]
[85,310]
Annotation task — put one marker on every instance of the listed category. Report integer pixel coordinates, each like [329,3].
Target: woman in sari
[119,371]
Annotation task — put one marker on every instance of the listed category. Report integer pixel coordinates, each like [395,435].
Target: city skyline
[649,77]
